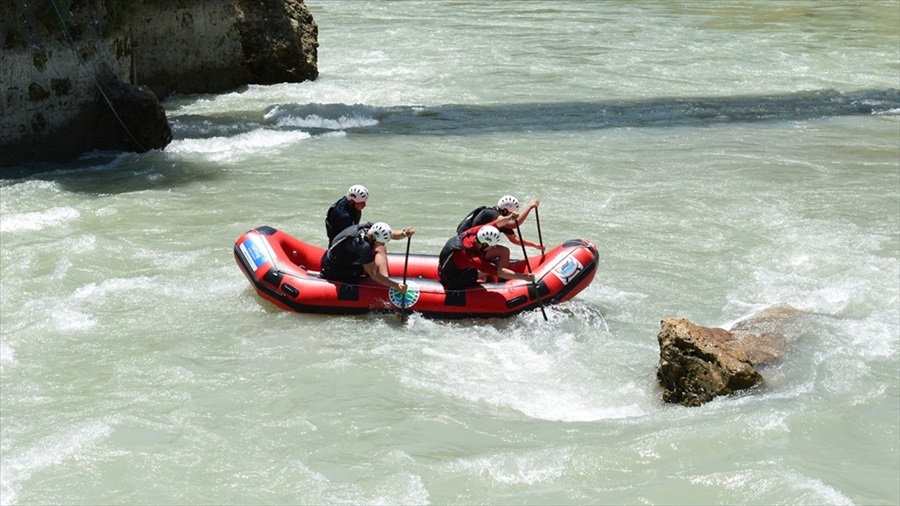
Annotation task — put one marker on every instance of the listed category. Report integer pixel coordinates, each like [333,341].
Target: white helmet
[381,232]
[357,193]
[489,235]
[509,203]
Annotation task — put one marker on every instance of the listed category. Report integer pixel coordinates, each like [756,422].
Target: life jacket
[445,263]
[332,255]
[468,221]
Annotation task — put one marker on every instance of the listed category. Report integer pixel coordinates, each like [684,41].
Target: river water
[724,156]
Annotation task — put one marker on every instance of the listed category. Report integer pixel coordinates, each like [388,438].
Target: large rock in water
[697,363]
[136,115]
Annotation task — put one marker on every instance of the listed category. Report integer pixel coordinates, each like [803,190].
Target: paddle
[528,264]
[537,219]
[405,266]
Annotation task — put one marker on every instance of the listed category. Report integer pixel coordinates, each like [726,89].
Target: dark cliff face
[56,64]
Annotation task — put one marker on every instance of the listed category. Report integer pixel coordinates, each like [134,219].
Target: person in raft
[360,250]
[475,251]
[507,204]
[346,211]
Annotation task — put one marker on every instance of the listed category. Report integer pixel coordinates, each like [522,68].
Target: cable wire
[93,76]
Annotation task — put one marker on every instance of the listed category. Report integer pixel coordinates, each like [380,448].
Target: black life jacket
[341,249]
[468,221]
[454,244]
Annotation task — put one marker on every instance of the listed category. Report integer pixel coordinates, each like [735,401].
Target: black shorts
[457,280]
[350,272]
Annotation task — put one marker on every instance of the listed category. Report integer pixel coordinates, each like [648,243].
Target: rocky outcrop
[279,41]
[54,80]
[186,48]
[136,115]
[697,364]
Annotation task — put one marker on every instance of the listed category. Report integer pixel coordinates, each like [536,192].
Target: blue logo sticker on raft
[412,296]
[255,251]
[568,270]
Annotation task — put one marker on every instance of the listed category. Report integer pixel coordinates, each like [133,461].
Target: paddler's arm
[406,232]
[512,220]
[508,221]
[373,273]
[513,238]
[524,214]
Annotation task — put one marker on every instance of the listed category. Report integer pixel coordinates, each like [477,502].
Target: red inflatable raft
[284,271]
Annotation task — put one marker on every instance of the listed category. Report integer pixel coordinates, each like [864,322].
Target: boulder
[763,337]
[133,121]
[697,364]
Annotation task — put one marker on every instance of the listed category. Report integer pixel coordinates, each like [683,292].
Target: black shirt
[340,215]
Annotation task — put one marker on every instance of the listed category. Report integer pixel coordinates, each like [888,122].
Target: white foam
[763,485]
[7,354]
[397,488]
[246,144]
[47,452]
[114,285]
[321,116]
[767,424]
[535,378]
[25,188]
[38,220]
[400,488]
[516,468]
[316,121]
[872,339]
[70,320]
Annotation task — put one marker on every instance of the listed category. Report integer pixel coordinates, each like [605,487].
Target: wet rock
[763,337]
[697,364]
[134,120]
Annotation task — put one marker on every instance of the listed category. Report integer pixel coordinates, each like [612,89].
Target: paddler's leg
[499,256]
[381,261]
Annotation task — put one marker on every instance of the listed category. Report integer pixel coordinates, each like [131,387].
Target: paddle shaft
[537,219]
[537,291]
[405,267]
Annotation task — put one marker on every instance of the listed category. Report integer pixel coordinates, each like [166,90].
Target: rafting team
[356,249]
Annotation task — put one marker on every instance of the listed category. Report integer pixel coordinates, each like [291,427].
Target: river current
[725,157]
